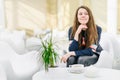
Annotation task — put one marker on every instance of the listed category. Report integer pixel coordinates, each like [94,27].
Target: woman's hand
[83,26]
[66,56]
[80,28]
[93,47]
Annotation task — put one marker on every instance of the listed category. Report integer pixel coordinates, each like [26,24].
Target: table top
[64,74]
[3,75]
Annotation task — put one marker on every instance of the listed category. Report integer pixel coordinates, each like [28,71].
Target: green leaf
[48,53]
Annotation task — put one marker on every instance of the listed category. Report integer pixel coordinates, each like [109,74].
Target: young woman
[84,38]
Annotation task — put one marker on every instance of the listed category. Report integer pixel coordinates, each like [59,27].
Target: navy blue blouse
[74,46]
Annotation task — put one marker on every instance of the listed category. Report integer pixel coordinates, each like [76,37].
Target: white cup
[76,68]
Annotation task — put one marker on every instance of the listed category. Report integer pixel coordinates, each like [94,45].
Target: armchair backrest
[106,43]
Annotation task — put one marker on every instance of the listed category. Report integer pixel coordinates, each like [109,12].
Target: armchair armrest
[105,60]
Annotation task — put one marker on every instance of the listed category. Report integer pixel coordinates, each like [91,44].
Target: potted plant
[47,52]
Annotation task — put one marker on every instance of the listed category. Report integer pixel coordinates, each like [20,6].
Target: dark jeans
[85,60]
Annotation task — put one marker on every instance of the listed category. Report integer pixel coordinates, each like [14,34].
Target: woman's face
[83,16]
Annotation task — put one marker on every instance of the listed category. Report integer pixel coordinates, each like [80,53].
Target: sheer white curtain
[112,16]
[2,14]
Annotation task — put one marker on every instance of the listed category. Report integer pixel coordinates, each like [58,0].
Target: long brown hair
[91,32]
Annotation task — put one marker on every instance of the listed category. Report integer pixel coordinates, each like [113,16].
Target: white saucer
[91,72]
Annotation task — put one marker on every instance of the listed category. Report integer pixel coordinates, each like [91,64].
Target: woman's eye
[86,13]
[83,13]
[80,13]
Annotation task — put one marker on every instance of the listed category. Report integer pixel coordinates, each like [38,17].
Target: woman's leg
[71,60]
[87,60]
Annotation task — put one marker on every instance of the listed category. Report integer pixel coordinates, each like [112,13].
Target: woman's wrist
[76,36]
[76,39]
[72,53]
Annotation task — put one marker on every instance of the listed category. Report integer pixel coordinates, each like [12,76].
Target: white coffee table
[3,75]
[64,74]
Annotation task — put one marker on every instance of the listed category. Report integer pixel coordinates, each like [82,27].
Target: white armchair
[110,55]
[16,39]
[106,56]
[24,66]
[18,67]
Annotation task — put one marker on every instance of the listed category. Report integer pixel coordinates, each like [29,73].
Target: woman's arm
[73,46]
[87,52]
[84,52]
